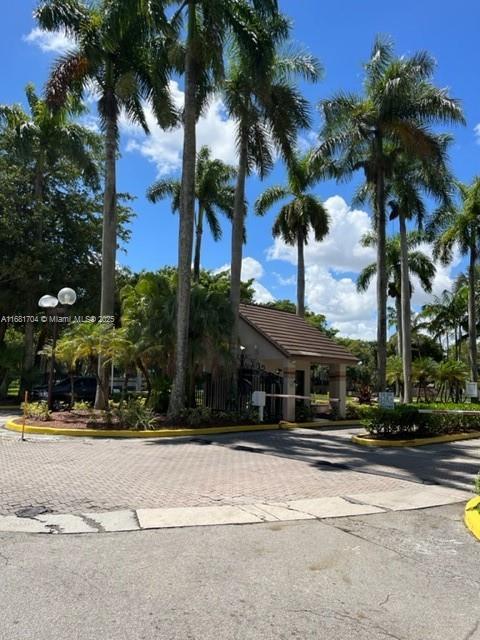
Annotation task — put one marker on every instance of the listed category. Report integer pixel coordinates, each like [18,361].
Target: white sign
[472,390]
[386,399]
[258,398]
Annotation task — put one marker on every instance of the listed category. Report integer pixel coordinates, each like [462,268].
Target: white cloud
[252,268]
[164,148]
[476,130]
[50,41]
[341,249]
[352,313]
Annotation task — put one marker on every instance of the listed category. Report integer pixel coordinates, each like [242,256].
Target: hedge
[407,421]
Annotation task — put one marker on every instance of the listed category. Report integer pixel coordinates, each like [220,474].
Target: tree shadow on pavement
[450,464]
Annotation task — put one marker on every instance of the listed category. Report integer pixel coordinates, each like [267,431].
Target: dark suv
[84,388]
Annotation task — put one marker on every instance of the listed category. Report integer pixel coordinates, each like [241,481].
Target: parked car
[84,388]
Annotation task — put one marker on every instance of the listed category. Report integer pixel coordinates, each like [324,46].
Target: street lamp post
[66,297]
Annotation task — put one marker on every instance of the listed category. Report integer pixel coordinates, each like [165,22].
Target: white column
[289,389]
[338,387]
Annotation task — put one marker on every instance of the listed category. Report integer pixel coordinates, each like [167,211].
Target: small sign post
[258,400]
[386,400]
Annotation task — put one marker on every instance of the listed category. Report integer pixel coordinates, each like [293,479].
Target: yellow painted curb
[472,516]
[12,425]
[365,441]
[283,424]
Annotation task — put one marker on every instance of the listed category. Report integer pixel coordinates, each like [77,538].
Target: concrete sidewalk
[404,499]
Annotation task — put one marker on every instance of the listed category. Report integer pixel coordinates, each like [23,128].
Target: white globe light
[67,296]
[48,302]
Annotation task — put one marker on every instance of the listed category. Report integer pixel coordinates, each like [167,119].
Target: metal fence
[218,392]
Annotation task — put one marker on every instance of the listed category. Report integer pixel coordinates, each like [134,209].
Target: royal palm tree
[208,24]
[213,192]
[41,140]
[419,264]
[461,228]
[269,111]
[121,51]
[302,214]
[397,108]
[412,180]
[443,316]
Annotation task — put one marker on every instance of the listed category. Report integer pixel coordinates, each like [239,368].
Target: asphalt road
[401,575]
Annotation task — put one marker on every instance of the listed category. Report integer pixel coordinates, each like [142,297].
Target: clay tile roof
[292,335]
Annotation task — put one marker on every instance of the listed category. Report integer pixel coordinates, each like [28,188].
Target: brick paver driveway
[80,475]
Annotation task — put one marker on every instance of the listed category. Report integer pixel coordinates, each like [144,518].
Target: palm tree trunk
[29,337]
[398,312]
[198,245]
[406,311]
[472,312]
[381,267]
[109,234]
[187,217]
[237,243]
[300,274]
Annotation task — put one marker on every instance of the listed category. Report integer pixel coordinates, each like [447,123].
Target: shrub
[477,483]
[133,414]
[81,405]
[394,422]
[303,412]
[36,410]
[356,411]
[406,420]
[205,417]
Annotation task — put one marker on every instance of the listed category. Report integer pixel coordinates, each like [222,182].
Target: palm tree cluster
[127,52]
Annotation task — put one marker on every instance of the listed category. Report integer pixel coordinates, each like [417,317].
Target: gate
[216,392]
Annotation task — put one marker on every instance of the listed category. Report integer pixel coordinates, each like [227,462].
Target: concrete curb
[472,516]
[415,497]
[14,425]
[366,441]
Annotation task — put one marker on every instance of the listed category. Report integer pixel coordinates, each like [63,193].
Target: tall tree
[269,112]
[461,228]
[302,214]
[213,192]
[208,24]
[419,265]
[397,107]
[121,50]
[412,180]
[40,142]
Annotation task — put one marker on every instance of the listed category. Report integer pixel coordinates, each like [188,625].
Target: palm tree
[444,316]
[303,213]
[208,24]
[121,51]
[397,108]
[269,111]
[411,180]
[419,264]
[461,228]
[41,140]
[451,376]
[213,193]
[423,371]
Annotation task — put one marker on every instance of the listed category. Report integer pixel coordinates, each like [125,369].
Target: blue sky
[340,34]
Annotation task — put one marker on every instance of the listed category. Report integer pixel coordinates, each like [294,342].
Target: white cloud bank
[50,41]
[252,268]
[331,267]
[164,148]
